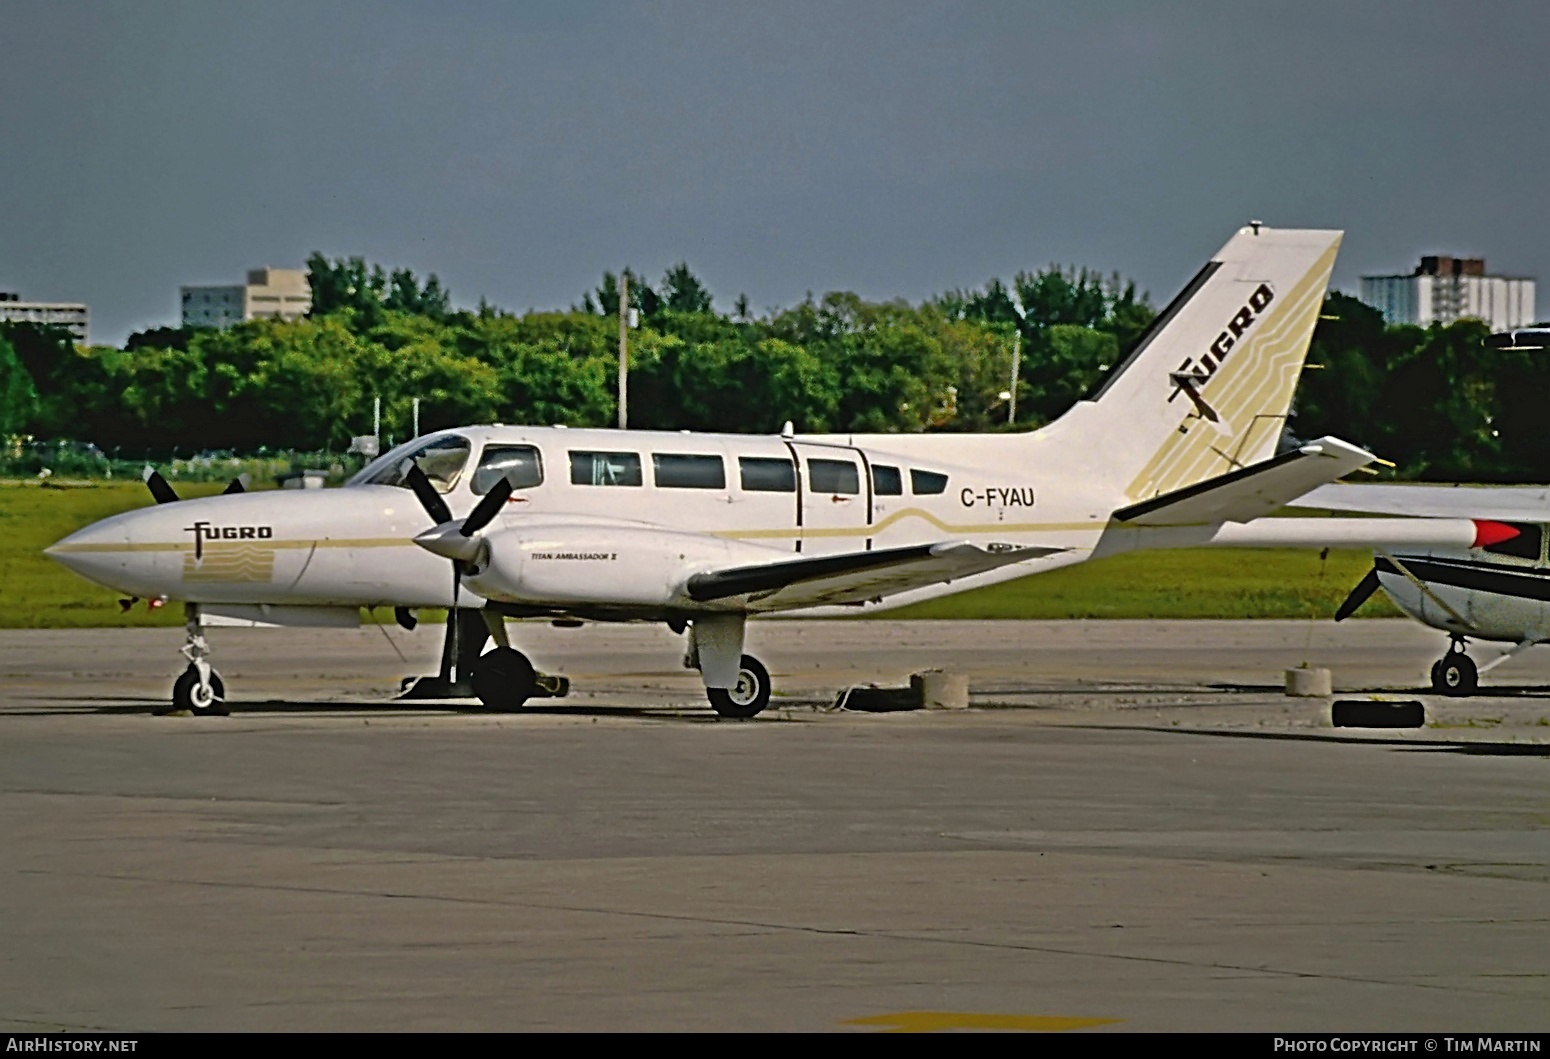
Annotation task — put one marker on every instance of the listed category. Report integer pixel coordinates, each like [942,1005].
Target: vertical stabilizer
[1208,387]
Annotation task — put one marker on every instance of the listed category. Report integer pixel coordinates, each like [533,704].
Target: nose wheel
[200,697]
[1455,673]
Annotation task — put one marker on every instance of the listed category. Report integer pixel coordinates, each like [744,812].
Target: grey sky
[892,148]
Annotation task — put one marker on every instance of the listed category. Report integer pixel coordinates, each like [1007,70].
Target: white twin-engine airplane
[704,531]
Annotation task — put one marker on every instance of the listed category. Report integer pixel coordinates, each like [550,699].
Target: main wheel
[201,702]
[503,679]
[748,696]
[1455,675]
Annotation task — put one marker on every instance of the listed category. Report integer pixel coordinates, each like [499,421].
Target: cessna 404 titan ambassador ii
[703,531]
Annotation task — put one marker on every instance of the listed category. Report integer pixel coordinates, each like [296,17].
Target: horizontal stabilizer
[1504,503]
[1252,492]
[855,577]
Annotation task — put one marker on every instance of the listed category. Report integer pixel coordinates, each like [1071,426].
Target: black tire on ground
[1455,674]
[502,679]
[748,696]
[186,695]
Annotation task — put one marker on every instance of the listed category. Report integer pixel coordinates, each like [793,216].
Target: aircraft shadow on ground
[1503,691]
[129,705]
[1371,737]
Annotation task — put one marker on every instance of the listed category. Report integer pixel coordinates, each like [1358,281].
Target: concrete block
[1304,682]
[940,690]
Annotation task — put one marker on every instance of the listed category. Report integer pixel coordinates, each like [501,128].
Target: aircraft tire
[748,697]
[503,679]
[186,695]
[1455,675]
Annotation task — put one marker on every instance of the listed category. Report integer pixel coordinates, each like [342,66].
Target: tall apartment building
[274,293]
[72,316]
[1443,289]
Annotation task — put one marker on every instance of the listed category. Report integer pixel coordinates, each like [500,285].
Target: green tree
[682,292]
[18,394]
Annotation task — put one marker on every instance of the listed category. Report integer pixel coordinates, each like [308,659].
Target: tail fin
[1208,387]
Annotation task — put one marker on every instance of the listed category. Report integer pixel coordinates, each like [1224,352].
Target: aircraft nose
[99,552]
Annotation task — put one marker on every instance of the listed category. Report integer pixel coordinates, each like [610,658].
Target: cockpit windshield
[442,459]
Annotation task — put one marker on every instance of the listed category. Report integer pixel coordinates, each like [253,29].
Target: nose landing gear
[1455,673]
[199,689]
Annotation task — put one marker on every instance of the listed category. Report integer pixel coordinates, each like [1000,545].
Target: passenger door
[835,493]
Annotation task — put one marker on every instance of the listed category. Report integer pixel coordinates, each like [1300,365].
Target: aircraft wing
[1502,503]
[1251,492]
[855,577]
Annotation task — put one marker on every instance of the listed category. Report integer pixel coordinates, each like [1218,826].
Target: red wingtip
[1488,533]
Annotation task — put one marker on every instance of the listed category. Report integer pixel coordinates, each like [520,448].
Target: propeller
[454,540]
[158,486]
[162,490]
[1359,595]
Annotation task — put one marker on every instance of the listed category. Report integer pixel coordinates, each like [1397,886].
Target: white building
[1444,289]
[270,293]
[72,316]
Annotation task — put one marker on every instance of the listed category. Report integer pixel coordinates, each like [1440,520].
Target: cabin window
[605,468]
[927,483]
[442,459]
[675,470]
[887,481]
[521,465]
[1525,545]
[765,475]
[833,476]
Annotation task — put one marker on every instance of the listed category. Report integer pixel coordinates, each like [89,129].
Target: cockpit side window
[522,465]
[442,459]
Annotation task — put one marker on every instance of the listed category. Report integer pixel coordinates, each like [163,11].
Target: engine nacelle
[610,565]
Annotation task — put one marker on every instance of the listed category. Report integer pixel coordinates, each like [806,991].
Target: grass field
[38,593]
[1225,583]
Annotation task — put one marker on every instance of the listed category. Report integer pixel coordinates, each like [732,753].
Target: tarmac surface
[1132,829]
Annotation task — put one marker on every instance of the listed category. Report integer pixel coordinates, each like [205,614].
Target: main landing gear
[501,678]
[1455,673]
[746,698]
[737,685]
[199,689]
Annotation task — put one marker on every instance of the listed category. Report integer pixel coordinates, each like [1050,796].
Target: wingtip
[1488,532]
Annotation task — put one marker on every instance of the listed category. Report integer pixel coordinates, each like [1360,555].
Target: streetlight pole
[1017,364]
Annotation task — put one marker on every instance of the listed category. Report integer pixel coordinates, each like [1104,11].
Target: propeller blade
[430,500]
[238,484]
[1359,595]
[488,508]
[158,486]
